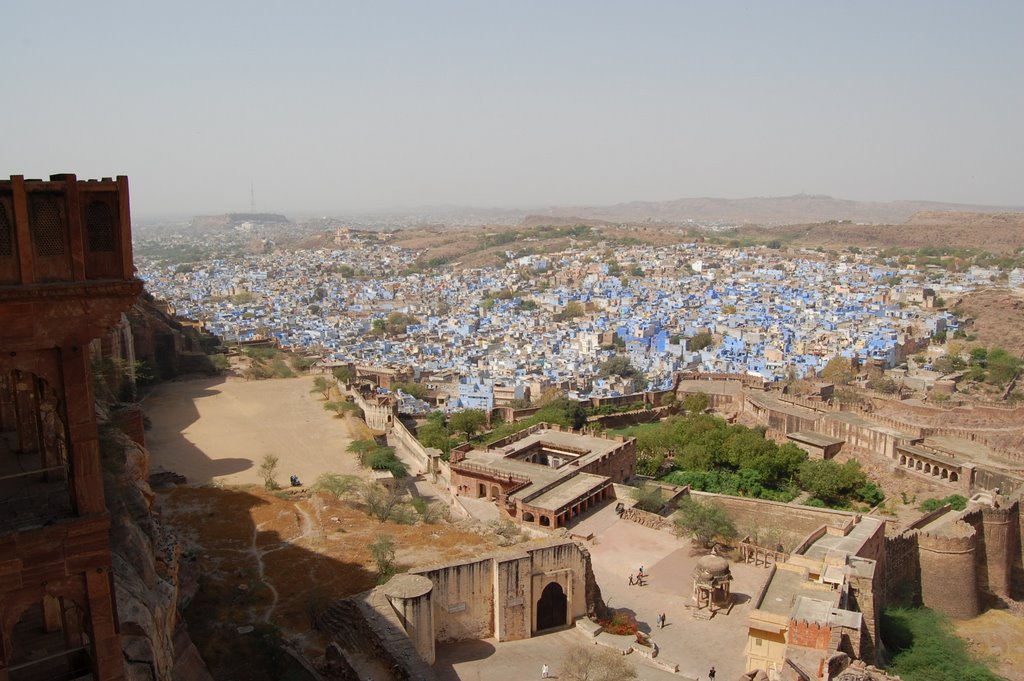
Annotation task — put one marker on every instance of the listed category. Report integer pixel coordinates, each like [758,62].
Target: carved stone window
[99,227]
[47,224]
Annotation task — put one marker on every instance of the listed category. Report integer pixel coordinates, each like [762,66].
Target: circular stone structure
[711,579]
[409,596]
[712,566]
[407,586]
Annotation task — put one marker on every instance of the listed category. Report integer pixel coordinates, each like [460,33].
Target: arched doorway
[481,490]
[551,608]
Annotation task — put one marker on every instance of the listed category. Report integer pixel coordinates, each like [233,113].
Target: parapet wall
[497,596]
[903,570]
[793,522]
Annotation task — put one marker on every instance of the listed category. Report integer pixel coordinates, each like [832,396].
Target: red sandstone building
[66,276]
[544,475]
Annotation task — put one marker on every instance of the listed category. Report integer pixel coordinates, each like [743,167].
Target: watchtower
[66,276]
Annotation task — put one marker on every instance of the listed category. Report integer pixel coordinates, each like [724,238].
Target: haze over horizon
[382,106]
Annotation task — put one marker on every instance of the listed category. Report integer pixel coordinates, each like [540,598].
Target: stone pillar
[410,597]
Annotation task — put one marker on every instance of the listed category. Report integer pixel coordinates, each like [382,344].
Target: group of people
[639,579]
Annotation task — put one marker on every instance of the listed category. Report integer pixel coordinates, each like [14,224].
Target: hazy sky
[333,106]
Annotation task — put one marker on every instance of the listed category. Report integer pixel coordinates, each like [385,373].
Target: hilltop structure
[66,277]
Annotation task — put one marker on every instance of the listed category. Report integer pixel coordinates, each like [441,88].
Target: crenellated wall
[903,575]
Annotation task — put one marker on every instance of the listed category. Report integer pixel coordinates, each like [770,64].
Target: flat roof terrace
[787,586]
[850,543]
[571,442]
[573,488]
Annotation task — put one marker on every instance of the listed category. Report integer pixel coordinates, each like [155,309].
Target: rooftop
[850,543]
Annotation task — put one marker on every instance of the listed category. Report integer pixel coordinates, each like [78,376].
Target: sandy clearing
[219,430]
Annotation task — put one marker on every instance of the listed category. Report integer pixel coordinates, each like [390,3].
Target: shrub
[268,471]
[338,486]
[383,552]
[956,501]
[648,498]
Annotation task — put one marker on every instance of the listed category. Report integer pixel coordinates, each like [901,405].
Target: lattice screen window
[47,226]
[99,226]
[6,232]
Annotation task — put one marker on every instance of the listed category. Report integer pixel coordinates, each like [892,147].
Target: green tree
[696,403]
[341,407]
[1002,366]
[383,552]
[572,310]
[705,521]
[417,390]
[361,447]
[564,412]
[468,421]
[343,374]
[831,482]
[619,366]
[839,371]
[322,385]
[648,497]
[433,434]
[339,486]
[380,501]
[701,340]
[220,362]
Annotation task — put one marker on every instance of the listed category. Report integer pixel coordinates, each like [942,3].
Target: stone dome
[712,566]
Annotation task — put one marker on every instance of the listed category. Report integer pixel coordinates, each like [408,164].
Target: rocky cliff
[153,580]
[169,347]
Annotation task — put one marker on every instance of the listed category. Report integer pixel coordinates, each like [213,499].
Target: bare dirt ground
[996,636]
[218,430]
[270,560]
[998,318]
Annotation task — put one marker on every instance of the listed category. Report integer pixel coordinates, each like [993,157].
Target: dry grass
[998,637]
[310,550]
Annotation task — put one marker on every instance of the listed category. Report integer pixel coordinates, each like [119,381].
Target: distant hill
[776,210]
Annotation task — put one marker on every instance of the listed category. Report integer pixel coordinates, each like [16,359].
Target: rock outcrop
[152,579]
[169,347]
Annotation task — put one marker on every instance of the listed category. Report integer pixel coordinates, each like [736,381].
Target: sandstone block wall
[463,600]
[949,575]
[902,578]
[792,522]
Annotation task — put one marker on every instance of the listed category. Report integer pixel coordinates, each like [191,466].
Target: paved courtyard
[618,549]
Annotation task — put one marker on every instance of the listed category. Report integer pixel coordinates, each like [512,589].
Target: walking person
[631,582]
[545,672]
[711,674]
[662,621]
